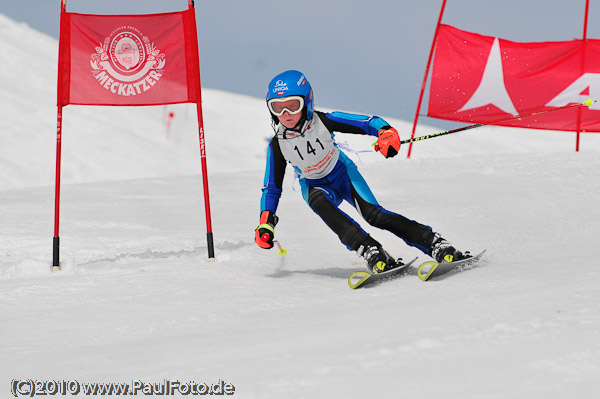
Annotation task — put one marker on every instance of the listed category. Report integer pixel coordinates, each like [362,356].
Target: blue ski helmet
[291,83]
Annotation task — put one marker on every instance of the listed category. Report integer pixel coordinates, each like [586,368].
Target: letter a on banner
[120,60]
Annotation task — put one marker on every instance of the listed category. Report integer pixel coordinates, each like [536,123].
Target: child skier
[304,137]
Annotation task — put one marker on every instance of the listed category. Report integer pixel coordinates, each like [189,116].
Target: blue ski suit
[327,177]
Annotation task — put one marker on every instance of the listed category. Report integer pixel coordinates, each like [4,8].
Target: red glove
[265,232]
[388,143]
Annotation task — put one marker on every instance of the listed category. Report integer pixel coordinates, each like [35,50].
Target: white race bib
[314,153]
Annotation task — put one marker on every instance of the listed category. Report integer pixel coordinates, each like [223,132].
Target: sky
[361,58]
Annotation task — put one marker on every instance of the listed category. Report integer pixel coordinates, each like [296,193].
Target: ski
[429,270]
[363,278]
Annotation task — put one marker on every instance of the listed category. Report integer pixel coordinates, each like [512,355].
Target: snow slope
[137,299]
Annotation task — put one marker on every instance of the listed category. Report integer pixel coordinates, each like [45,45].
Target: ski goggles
[292,104]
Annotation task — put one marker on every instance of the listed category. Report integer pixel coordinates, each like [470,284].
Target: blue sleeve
[354,123]
[273,181]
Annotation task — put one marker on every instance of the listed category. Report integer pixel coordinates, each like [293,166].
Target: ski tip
[356,279]
[426,269]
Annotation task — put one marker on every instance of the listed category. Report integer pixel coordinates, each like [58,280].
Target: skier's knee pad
[318,201]
[348,231]
[373,215]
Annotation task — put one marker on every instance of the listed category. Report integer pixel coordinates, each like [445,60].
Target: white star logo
[491,90]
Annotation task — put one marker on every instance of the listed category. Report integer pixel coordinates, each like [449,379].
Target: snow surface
[137,298]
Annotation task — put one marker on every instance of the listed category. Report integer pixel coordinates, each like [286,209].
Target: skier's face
[290,120]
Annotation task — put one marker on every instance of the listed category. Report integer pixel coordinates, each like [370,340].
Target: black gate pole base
[55,254]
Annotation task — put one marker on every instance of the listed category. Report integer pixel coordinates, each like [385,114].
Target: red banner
[128,59]
[480,79]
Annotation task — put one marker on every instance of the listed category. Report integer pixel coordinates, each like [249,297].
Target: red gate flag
[146,59]
[128,59]
[480,79]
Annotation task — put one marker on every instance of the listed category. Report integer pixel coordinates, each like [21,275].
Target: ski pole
[281,250]
[587,103]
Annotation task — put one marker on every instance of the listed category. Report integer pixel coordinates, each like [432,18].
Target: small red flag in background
[480,79]
[128,59]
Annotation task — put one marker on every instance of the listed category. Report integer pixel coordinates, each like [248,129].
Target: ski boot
[442,251]
[378,259]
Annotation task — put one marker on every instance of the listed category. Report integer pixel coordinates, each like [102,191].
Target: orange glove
[265,232]
[388,143]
